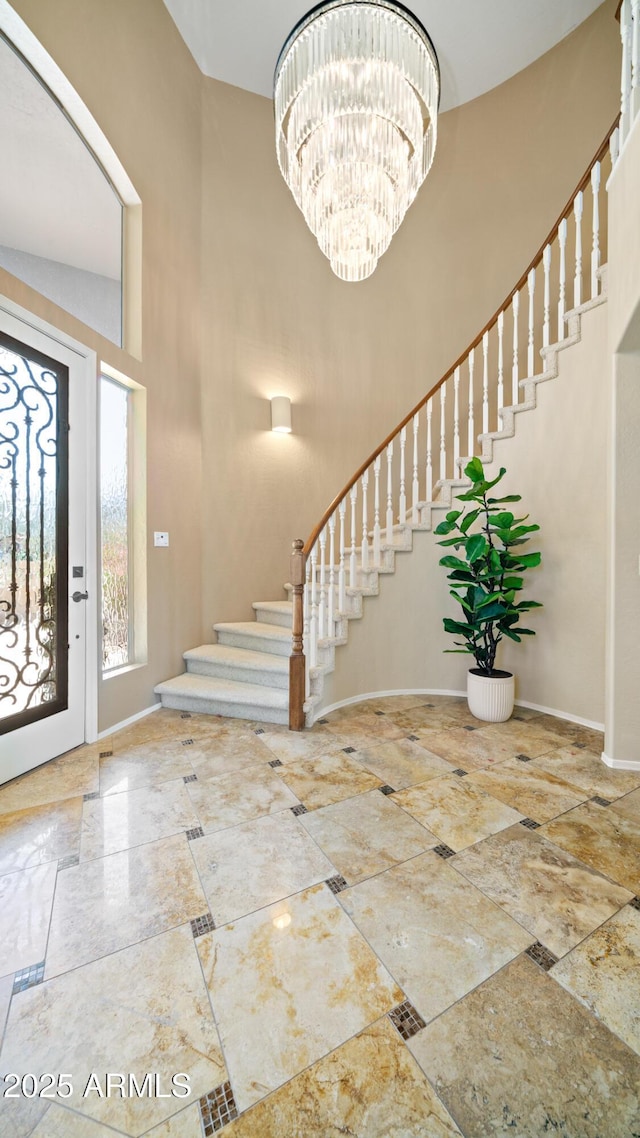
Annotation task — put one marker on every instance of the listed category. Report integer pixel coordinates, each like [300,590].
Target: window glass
[115,509]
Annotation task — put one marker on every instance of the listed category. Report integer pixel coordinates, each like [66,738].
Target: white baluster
[562,238]
[306,627]
[635,58]
[365,521]
[626,31]
[515,370]
[546,326]
[578,209]
[342,596]
[595,245]
[376,513]
[471,442]
[322,609]
[485,383]
[429,487]
[415,485]
[500,368]
[390,494]
[332,575]
[313,625]
[443,430]
[614,146]
[353,495]
[531,287]
[456,422]
[403,491]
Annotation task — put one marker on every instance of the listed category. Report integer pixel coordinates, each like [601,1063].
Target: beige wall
[622,736]
[557,462]
[355,358]
[129,65]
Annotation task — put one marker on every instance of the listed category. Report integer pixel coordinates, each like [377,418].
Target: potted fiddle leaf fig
[486,576]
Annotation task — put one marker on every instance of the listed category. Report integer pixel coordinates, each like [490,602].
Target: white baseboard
[129,721]
[591,723]
[620,764]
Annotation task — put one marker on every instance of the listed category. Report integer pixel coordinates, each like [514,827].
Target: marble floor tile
[121,821]
[70,776]
[370,1087]
[105,905]
[456,810]
[603,972]
[327,779]
[26,898]
[471,750]
[533,792]
[61,1123]
[214,757]
[234,798]
[548,891]
[298,974]
[432,717]
[146,764]
[6,986]
[143,1009]
[550,1068]
[603,838]
[298,744]
[629,806]
[283,860]
[572,732]
[45,833]
[162,724]
[20,1117]
[438,936]
[400,763]
[527,737]
[396,703]
[366,834]
[587,772]
[186,1124]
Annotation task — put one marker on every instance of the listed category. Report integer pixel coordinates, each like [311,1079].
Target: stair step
[240,664]
[274,612]
[211,695]
[256,636]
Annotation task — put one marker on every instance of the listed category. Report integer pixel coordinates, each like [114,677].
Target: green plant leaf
[476,546]
[503,520]
[507,498]
[451,562]
[444,527]
[529,560]
[453,515]
[475,470]
[468,520]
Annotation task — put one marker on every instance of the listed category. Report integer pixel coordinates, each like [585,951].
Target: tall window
[118,649]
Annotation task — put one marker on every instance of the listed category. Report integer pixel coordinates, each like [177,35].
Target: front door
[43,573]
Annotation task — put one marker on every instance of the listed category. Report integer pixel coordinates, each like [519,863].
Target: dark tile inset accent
[443,851]
[386,789]
[635,903]
[217,1109]
[190,778]
[524,758]
[299,809]
[322,721]
[258,731]
[67,862]
[406,1020]
[349,750]
[529,824]
[469,728]
[601,801]
[541,956]
[380,713]
[337,883]
[197,832]
[94,794]
[459,771]
[28,978]
[186,715]
[202,925]
[581,746]
[187,742]
[105,754]
[275,763]
[414,738]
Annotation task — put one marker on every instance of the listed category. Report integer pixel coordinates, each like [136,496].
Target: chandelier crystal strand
[356,101]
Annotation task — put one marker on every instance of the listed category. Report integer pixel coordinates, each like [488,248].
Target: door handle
[79,596]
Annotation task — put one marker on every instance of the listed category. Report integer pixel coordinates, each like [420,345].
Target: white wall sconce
[281,414]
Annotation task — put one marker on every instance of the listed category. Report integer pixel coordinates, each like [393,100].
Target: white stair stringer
[246,674]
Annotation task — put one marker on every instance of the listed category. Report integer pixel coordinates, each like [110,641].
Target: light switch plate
[160,538]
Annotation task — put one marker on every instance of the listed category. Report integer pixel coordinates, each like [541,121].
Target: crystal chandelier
[356,95]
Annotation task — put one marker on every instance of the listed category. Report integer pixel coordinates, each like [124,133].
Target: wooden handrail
[584,181]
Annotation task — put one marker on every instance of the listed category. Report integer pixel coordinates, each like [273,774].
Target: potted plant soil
[487,575]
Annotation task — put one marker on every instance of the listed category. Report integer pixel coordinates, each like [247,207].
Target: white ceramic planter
[490,698]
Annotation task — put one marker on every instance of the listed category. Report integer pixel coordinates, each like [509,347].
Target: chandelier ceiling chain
[356,95]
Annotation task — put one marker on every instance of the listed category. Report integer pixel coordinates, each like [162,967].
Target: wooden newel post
[297,661]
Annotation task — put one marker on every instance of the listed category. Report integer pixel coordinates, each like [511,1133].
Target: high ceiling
[480,43]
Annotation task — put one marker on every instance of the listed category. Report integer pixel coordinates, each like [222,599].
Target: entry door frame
[88,368]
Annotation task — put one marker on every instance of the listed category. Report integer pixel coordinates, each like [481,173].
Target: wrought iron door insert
[34,399]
